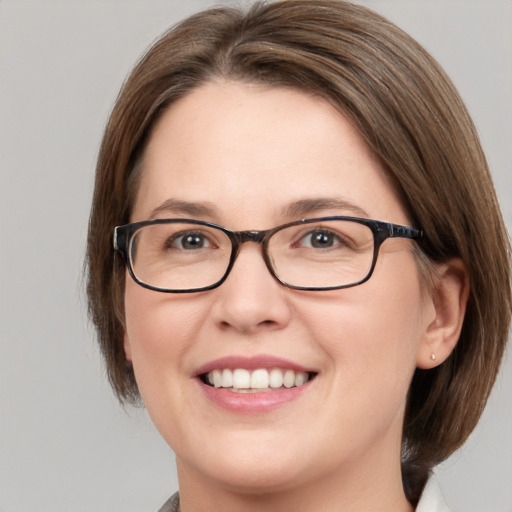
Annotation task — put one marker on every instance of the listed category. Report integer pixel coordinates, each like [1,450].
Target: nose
[251,300]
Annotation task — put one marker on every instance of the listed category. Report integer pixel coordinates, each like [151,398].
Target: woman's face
[249,157]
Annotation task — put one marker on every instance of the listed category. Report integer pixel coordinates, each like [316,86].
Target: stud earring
[433,356]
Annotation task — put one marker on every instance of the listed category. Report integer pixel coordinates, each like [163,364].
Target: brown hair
[409,113]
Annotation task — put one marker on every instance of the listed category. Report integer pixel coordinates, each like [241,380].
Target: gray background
[65,444]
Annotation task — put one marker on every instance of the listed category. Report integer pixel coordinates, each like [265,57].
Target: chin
[251,477]
[252,466]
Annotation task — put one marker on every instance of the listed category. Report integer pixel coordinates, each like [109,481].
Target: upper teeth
[240,378]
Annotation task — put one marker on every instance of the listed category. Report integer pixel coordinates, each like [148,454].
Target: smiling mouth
[241,380]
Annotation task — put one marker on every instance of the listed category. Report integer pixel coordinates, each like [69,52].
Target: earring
[433,356]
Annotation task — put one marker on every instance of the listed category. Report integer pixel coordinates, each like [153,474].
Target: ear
[447,306]
[127,347]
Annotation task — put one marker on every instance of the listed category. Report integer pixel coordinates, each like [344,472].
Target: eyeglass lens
[184,256]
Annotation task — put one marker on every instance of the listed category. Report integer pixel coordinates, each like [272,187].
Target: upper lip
[251,363]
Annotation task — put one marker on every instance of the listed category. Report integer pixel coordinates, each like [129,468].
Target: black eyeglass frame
[381,232]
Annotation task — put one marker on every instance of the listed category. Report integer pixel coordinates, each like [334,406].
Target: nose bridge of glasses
[250,236]
[258,237]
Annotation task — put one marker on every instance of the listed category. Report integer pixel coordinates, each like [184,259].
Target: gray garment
[172,504]
[431,500]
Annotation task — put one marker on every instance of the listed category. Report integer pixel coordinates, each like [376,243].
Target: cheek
[371,335]
[159,330]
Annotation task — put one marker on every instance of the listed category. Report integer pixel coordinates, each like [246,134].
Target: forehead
[247,148]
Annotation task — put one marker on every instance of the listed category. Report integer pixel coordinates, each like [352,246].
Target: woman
[310,290]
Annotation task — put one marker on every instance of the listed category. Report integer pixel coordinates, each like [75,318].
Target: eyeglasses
[184,255]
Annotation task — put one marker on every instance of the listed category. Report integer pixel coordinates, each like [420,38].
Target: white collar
[432,498]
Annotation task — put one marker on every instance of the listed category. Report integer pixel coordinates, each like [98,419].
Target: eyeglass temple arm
[397,231]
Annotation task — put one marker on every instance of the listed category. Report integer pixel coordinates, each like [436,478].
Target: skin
[249,151]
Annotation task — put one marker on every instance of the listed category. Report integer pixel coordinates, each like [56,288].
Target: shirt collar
[432,498]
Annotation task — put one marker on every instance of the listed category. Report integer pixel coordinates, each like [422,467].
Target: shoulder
[172,504]
[431,498]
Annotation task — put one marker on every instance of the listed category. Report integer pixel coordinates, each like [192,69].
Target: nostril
[248,326]
[267,323]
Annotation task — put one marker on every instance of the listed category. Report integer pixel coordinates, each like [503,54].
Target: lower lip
[252,403]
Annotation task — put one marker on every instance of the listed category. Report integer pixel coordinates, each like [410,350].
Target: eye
[189,241]
[321,239]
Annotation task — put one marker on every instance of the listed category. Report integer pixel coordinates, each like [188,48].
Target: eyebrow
[186,208]
[305,207]
[300,208]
